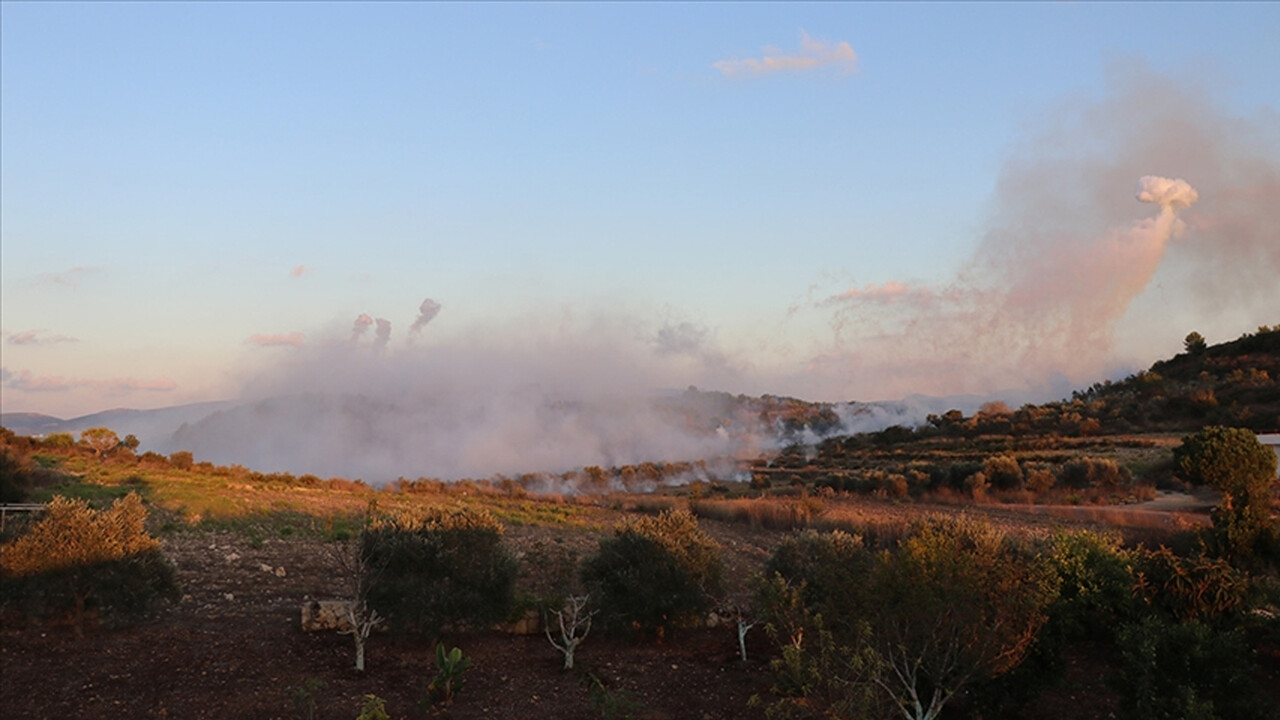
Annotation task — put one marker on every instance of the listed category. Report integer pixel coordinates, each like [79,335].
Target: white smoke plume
[426,313]
[1172,194]
[508,398]
[1069,266]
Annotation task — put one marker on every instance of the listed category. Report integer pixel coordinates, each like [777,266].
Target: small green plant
[611,704]
[448,680]
[374,708]
[304,697]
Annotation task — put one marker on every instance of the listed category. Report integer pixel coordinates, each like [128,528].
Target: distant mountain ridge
[152,427]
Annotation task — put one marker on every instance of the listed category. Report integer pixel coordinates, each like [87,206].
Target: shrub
[1197,588]
[958,601]
[654,571]
[1003,472]
[1232,461]
[78,560]
[828,569]
[1186,670]
[438,567]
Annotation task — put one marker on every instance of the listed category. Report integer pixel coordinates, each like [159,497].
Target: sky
[210,201]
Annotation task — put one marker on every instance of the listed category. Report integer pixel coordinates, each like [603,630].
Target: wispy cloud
[813,54]
[26,381]
[67,278]
[36,337]
[291,339]
[299,271]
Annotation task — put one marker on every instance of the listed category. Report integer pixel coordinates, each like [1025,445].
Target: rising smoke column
[382,335]
[360,327]
[1030,304]
[426,313]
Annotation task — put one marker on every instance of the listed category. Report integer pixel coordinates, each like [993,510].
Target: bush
[829,570]
[1232,461]
[439,567]
[1003,472]
[1186,670]
[654,571]
[78,561]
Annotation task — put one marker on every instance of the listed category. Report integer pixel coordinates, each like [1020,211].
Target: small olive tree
[654,571]
[439,567]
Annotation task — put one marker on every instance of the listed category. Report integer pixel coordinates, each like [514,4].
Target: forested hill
[1232,383]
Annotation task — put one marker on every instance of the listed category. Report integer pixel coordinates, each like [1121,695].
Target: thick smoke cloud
[1067,264]
[510,398]
[1070,264]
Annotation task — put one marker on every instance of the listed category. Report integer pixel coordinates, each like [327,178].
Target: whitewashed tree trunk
[572,620]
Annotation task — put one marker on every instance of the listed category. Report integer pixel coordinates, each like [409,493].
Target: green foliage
[1003,472]
[1095,588]
[830,570]
[58,441]
[448,680]
[75,560]
[99,439]
[373,708]
[16,476]
[1196,588]
[1194,343]
[1232,461]
[1095,594]
[1182,670]
[957,601]
[182,459]
[304,696]
[611,704]
[654,571]
[439,567]
[818,673]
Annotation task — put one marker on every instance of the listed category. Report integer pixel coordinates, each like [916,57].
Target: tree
[956,602]
[76,559]
[575,624]
[361,573]
[99,439]
[439,567]
[1236,464]
[1195,343]
[654,571]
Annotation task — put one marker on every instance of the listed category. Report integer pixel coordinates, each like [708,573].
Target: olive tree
[100,439]
[439,567]
[76,559]
[654,571]
[958,601]
[1233,462]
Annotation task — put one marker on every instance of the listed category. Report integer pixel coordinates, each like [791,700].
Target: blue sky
[191,193]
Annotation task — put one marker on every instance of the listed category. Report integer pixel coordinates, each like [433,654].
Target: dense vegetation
[945,616]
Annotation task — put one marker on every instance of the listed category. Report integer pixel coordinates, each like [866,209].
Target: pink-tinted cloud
[813,54]
[36,337]
[26,381]
[299,271]
[291,339]
[889,292]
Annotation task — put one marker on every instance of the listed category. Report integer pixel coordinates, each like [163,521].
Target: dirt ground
[233,648]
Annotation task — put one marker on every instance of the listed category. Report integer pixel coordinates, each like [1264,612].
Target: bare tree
[359,573]
[574,622]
